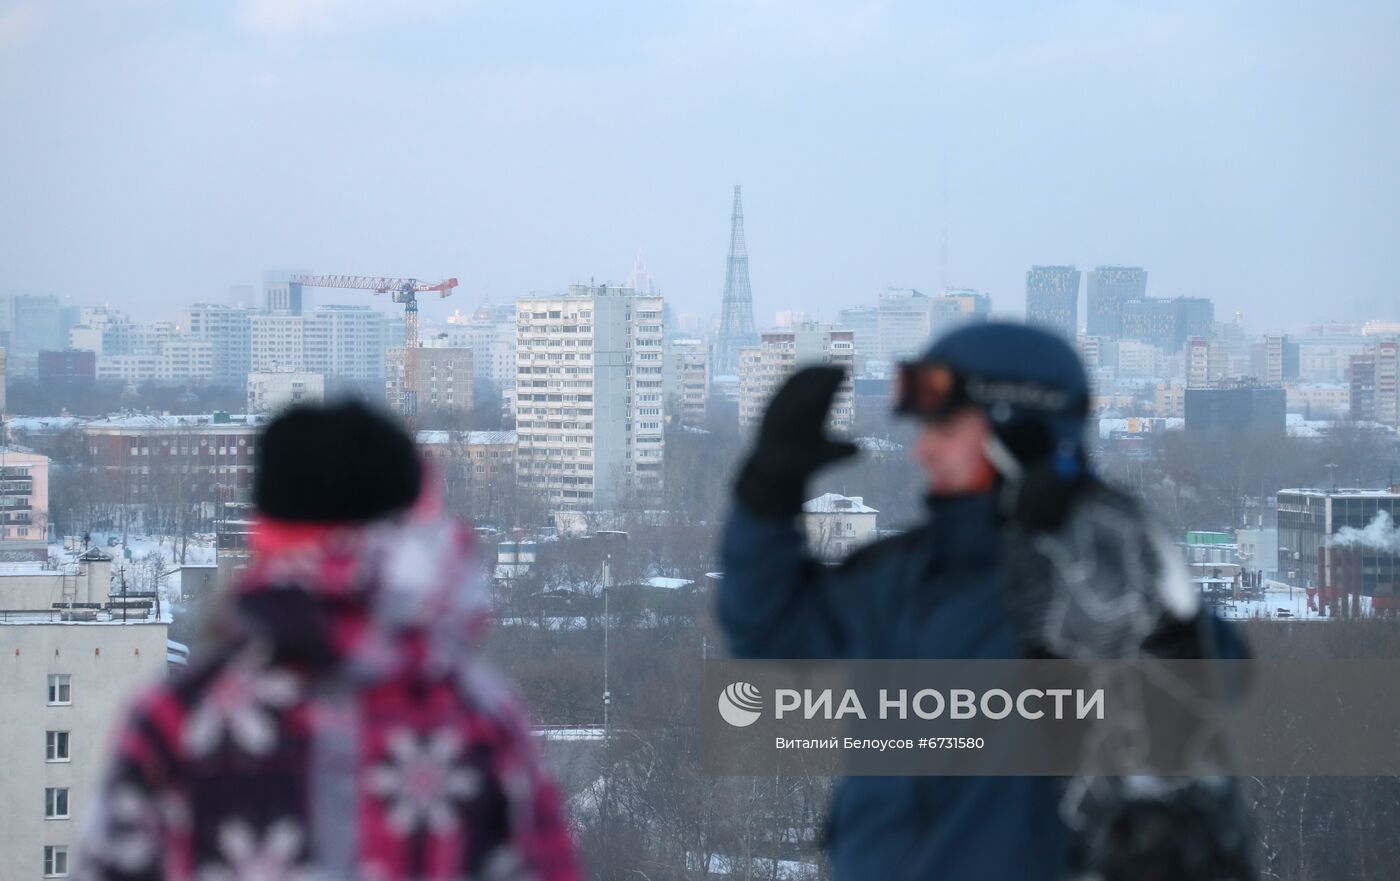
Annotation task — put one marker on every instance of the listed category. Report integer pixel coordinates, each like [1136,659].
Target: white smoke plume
[1380,534]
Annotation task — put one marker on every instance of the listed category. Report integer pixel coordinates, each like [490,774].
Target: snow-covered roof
[877,445]
[1350,492]
[662,581]
[835,503]
[1297,426]
[495,438]
[548,732]
[1107,426]
[27,567]
[41,423]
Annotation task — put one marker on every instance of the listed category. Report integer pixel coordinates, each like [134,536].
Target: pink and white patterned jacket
[345,730]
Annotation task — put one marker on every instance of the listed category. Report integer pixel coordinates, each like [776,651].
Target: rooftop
[835,503]
[499,438]
[1345,492]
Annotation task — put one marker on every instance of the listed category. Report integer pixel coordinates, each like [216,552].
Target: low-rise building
[1319,400]
[24,503]
[837,524]
[74,657]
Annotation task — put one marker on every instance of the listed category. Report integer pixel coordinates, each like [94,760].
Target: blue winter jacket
[934,592]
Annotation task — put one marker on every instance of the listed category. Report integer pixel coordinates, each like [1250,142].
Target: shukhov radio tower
[736,321]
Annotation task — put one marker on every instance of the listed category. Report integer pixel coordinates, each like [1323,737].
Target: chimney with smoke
[1380,534]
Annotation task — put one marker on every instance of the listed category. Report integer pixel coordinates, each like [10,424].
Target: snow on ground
[1280,603]
[199,552]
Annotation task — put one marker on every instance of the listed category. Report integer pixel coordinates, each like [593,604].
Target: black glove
[792,444]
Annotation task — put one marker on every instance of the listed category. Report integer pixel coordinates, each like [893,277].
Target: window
[56,803]
[60,689]
[56,746]
[55,861]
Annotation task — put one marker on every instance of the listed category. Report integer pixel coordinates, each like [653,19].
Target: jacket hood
[396,596]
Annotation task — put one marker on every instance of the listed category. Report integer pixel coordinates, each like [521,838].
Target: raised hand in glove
[792,444]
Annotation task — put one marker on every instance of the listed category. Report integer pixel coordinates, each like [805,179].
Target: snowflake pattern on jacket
[345,730]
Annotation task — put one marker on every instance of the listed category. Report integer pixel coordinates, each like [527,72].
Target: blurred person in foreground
[344,729]
[1012,509]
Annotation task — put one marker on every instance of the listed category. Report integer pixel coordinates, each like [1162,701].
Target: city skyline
[276,145]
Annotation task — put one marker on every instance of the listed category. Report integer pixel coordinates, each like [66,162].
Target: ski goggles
[932,392]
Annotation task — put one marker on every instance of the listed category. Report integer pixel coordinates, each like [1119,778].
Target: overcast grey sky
[155,152]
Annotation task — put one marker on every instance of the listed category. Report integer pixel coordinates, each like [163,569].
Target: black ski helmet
[1029,382]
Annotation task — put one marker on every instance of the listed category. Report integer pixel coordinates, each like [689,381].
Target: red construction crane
[402,290]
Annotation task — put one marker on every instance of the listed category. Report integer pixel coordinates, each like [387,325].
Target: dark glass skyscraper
[1109,288]
[1052,298]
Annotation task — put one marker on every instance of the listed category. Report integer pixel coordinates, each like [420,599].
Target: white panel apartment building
[779,353]
[344,342]
[490,333]
[228,331]
[348,342]
[67,679]
[271,392]
[589,386]
[176,360]
[275,343]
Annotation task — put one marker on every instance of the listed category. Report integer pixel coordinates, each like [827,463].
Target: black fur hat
[335,463]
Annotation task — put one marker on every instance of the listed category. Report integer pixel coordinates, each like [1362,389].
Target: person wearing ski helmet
[1003,409]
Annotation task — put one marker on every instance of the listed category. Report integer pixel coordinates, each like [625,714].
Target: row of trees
[1210,480]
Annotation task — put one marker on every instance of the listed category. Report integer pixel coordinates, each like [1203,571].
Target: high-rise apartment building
[490,333]
[687,380]
[340,342]
[1108,288]
[1197,357]
[589,397]
[904,322]
[35,323]
[763,368]
[864,324]
[275,343]
[177,360]
[1387,404]
[1052,298]
[1361,377]
[228,331]
[443,378]
[347,343]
